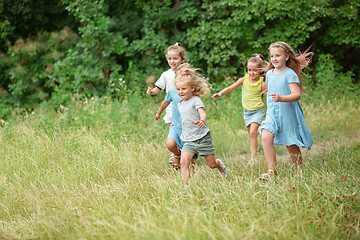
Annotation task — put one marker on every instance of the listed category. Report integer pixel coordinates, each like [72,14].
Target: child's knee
[267,136]
[185,161]
[212,162]
[253,134]
[170,143]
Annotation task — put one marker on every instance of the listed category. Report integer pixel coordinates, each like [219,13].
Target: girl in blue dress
[284,123]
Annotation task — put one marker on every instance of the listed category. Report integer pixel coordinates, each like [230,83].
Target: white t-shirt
[167,81]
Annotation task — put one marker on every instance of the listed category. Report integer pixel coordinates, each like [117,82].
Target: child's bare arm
[162,107]
[153,91]
[201,122]
[229,89]
[292,97]
[264,87]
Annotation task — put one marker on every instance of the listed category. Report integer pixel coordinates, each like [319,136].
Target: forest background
[53,54]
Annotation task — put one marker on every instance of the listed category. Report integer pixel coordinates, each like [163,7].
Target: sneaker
[271,174]
[223,170]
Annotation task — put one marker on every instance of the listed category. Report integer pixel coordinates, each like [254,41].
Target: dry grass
[99,171]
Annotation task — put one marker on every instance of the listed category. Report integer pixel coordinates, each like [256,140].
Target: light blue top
[285,119]
[173,96]
[189,115]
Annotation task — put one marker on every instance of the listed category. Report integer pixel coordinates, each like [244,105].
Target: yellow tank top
[251,94]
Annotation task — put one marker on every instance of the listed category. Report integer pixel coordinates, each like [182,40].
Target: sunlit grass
[99,170]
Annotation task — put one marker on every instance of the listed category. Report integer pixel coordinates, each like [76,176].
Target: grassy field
[99,170]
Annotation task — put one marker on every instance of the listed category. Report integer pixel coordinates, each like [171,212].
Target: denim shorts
[254,116]
[203,146]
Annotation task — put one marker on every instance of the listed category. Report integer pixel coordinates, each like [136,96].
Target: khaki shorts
[203,146]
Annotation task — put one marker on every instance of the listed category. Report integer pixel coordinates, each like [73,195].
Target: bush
[329,79]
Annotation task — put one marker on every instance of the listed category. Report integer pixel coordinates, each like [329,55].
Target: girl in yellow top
[252,90]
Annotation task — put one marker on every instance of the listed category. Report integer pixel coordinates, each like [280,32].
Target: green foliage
[121,43]
[329,79]
[31,63]
[3,23]
[28,17]
[90,68]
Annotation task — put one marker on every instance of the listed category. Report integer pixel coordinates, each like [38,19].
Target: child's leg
[295,155]
[212,162]
[253,131]
[269,149]
[172,146]
[216,163]
[185,165]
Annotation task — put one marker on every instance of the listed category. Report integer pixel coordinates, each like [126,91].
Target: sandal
[269,175]
[171,159]
[176,163]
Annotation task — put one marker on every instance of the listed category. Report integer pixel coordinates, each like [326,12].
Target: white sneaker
[223,170]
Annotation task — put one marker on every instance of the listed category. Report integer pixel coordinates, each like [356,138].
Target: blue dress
[175,130]
[285,119]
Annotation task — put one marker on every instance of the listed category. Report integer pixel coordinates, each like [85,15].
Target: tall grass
[99,170]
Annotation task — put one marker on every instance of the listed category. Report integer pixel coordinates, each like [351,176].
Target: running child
[284,123]
[253,87]
[195,132]
[173,142]
[175,55]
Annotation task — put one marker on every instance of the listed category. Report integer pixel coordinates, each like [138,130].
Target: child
[253,105]
[284,123]
[175,55]
[173,142]
[195,132]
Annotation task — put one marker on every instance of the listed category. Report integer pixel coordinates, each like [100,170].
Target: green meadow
[99,169]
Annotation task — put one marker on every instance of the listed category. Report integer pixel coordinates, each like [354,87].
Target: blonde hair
[181,68]
[295,62]
[195,80]
[177,47]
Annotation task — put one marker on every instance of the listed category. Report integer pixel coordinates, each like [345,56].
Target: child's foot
[171,159]
[271,174]
[176,163]
[223,170]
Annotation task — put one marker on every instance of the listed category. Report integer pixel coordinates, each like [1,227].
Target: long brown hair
[295,62]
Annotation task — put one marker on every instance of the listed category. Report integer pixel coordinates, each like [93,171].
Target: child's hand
[157,117]
[264,88]
[216,95]
[200,123]
[149,91]
[276,97]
